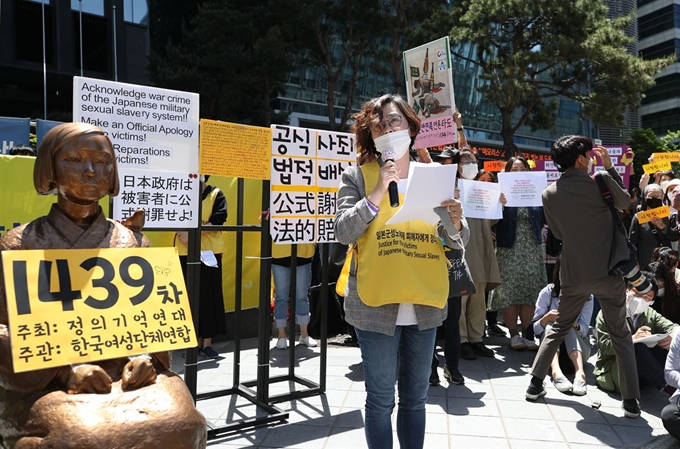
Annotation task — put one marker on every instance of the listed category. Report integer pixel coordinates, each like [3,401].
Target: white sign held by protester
[150,128]
[523,188]
[169,199]
[480,199]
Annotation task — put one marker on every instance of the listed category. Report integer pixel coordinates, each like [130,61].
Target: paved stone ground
[489,411]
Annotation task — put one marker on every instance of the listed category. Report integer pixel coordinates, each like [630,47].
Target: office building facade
[41,51]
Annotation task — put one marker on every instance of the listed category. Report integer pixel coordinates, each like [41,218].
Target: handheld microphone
[392,189]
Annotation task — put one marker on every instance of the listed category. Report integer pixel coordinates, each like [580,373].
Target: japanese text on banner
[306,167]
[76,306]
[169,199]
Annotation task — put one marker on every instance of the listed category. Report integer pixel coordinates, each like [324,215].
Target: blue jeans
[303,279]
[404,358]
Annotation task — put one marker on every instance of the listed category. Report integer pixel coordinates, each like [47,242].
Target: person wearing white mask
[655,233]
[650,353]
[394,301]
[481,259]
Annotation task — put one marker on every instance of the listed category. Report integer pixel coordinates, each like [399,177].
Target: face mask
[662,291]
[653,203]
[636,304]
[470,171]
[398,141]
[590,165]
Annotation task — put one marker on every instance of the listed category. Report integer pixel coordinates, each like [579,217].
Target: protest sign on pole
[306,166]
[429,88]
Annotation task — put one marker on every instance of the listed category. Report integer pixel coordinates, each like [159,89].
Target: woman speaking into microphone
[397,288]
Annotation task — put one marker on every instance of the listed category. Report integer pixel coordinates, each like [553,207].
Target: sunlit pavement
[489,411]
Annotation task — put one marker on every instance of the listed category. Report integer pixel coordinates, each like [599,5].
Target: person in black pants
[451,346]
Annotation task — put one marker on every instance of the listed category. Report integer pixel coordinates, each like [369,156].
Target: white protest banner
[169,199]
[480,199]
[150,128]
[523,188]
[430,92]
[306,166]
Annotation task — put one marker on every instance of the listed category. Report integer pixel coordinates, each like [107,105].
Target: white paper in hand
[651,340]
[209,259]
[428,186]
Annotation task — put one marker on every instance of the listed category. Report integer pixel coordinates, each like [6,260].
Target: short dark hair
[21,150]
[565,150]
[371,114]
[652,281]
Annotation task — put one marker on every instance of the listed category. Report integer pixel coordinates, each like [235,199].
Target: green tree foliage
[532,52]
[644,143]
[235,54]
[336,41]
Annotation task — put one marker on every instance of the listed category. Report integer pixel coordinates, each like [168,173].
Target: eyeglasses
[393,121]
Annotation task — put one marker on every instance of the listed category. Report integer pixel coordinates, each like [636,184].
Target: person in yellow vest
[281,270]
[211,316]
[398,284]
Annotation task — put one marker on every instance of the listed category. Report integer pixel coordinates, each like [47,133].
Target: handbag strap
[609,201]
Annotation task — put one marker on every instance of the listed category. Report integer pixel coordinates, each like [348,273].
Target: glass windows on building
[658,21]
[28,16]
[666,87]
[663,49]
[136,11]
[94,7]
[662,122]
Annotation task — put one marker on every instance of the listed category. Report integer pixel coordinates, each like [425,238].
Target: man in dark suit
[577,215]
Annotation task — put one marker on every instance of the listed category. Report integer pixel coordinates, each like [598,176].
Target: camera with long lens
[630,271]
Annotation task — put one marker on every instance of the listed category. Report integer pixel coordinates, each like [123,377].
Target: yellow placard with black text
[667,156]
[647,215]
[650,169]
[83,305]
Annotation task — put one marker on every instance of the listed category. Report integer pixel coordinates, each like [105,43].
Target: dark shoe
[209,352]
[480,349]
[631,408]
[496,331]
[534,392]
[434,380]
[454,377]
[466,351]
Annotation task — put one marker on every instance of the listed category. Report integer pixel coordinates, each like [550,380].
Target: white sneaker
[282,343]
[308,341]
[530,344]
[517,343]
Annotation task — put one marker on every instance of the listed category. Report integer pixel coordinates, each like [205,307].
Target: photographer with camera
[591,246]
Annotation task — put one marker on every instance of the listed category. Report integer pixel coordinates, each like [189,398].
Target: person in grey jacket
[397,290]
[577,214]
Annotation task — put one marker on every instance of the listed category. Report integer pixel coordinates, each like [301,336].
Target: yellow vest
[210,240]
[399,263]
[304,250]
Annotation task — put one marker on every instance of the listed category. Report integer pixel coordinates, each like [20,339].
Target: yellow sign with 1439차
[82,305]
